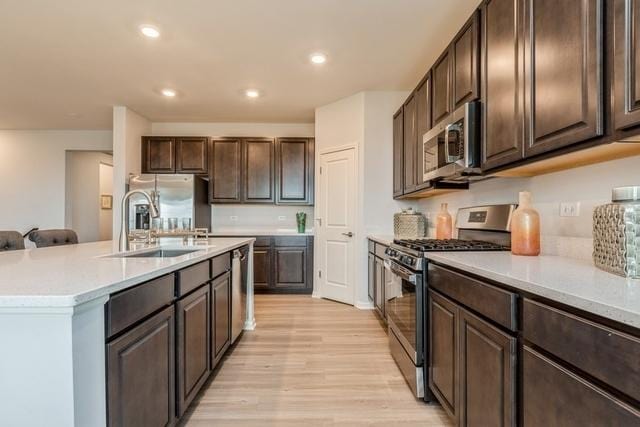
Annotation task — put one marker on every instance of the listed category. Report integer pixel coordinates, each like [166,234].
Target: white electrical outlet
[233,218]
[282,218]
[570,209]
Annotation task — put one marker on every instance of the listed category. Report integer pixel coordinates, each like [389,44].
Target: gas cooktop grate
[431,245]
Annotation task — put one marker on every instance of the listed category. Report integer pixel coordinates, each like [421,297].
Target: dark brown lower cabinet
[262,257]
[193,334]
[283,265]
[371,277]
[141,374]
[379,287]
[487,372]
[220,315]
[554,396]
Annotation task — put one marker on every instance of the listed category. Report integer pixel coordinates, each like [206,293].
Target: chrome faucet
[124,226]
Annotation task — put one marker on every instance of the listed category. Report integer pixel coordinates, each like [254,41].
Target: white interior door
[337,225]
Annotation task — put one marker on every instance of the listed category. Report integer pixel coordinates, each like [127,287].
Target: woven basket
[409,224]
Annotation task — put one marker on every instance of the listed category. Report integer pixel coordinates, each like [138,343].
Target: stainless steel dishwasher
[239,273]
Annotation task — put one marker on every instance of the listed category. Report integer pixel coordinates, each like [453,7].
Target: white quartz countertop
[265,231]
[385,239]
[66,276]
[576,283]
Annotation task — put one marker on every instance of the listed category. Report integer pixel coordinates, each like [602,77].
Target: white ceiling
[64,64]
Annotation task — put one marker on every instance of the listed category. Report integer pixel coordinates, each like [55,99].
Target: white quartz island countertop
[576,283]
[66,276]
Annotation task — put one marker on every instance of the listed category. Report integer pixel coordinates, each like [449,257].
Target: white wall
[570,236]
[128,128]
[32,174]
[83,188]
[248,216]
[364,120]
[106,188]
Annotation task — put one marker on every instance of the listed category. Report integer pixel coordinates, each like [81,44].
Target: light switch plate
[570,209]
[233,218]
[282,218]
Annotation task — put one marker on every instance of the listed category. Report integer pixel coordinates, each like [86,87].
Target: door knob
[349,234]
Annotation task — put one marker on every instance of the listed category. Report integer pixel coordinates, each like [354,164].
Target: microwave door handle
[453,127]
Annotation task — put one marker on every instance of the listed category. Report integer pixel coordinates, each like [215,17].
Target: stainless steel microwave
[451,149]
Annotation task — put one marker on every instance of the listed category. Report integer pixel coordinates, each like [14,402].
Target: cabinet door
[563,73]
[225,162]
[554,396]
[221,312]
[379,287]
[626,57]
[291,268]
[262,266]
[441,74]
[158,154]
[423,124]
[487,374]
[194,349]
[398,153]
[502,83]
[443,352]
[141,374]
[294,171]
[259,170]
[410,141]
[371,276]
[191,155]
[466,66]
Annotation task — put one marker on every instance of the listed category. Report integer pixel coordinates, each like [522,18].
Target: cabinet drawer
[554,396]
[290,241]
[606,354]
[380,248]
[129,306]
[497,304]
[192,277]
[220,264]
[372,246]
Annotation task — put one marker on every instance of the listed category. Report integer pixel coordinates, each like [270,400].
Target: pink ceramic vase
[444,226]
[525,228]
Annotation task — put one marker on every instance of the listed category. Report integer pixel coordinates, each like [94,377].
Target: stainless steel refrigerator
[175,196]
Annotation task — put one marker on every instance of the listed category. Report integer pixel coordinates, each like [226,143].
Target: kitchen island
[56,316]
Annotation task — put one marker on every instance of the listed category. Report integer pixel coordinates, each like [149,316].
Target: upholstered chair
[45,238]
[11,241]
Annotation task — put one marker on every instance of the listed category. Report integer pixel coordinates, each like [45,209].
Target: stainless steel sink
[158,253]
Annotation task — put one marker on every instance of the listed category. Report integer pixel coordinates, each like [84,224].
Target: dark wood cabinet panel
[423,124]
[225,162]
[371,276]
[158,154]
[443,352]
[488,374]
[262,268]
[193,334]
[563,70]
[290,271]
[441,75]
[554,396]
[141,374]
[259,170]
[283,265]
[626,57]
[410,143]
[466,63]
[192,155]
[502,83]
[379,301]
[294,170]
[398,153]
[220,315]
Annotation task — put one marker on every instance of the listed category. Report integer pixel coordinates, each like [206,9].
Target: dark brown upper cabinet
[158,154]
[410,143]
[423,125]
[441,74]
[502,83]
[258,170]
[466,63]
[225,162]
[398,153]
[563,68]
[626,58]
[294,171]
[192,155]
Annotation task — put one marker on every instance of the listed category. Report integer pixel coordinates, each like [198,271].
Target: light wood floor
[311,362]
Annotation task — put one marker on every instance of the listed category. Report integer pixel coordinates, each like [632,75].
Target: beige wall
[106,188]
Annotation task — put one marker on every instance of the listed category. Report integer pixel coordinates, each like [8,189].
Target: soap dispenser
[525,228]
[444,226]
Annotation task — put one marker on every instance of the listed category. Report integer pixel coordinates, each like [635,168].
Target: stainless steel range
[480,228]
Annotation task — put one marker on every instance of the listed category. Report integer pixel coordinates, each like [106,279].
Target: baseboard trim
[364,305]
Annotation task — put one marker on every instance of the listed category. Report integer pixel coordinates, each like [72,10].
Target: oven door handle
[401,272]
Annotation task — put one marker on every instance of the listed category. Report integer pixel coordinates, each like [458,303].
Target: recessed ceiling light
[150,31]
[169,93]
[252,93]
[318,58]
